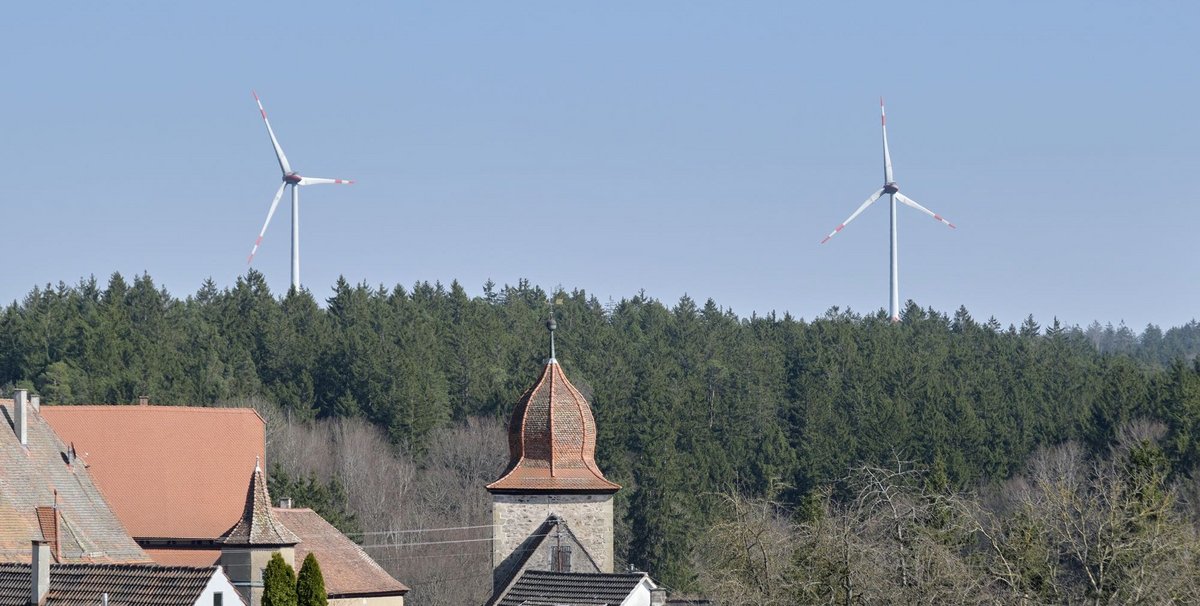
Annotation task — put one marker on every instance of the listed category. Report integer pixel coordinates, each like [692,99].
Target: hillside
[690,399]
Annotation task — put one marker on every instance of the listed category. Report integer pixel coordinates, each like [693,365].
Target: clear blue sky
[696,147]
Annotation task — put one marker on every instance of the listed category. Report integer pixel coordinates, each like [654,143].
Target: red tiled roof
[48,521]
[88,530]
[258,525]
[135,451]
[347,569]
[552,440]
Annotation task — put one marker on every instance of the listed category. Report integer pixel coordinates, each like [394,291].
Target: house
[47,493]
[175,476]
[552,508]
[351,576]
[539,587]
[61,543]
[189,483]
[47,583]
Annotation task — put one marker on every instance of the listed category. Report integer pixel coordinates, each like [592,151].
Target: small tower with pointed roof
[247,547]
[551,472]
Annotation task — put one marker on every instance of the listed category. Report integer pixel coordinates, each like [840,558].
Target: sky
[699,148]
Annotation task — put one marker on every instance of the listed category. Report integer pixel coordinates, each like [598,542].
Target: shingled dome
[552,441]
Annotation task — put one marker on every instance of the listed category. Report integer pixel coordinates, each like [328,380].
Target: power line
[447,528]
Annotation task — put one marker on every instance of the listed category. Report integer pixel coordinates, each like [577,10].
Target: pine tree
[279,583]
[310,587]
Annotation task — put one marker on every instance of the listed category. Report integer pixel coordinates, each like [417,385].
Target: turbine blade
[320,181]
[871,200]
[887,156]
[270,213]
[283,162]
[909,202]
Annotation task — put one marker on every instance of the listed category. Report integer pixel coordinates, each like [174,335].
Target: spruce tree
[310,587]
[279,583]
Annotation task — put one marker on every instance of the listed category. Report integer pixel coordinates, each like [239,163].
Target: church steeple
[248,546]
[258,525]
[552,439]
[551,476]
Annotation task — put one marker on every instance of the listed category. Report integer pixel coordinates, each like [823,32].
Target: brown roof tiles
[348,570]
[552,440]
[30,477]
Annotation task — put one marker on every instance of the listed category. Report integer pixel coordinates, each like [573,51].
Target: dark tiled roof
[258,525]
[125,584]
[552,440]
[88,531]
[536,587]
[133,451]
[347,569]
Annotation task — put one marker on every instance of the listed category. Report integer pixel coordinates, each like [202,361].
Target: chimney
[143,400]
[40,572]
[36,402]
[19,413]
[285,503]
[658,596]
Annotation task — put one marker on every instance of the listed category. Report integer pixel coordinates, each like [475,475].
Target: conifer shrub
[310,587]
[279,583]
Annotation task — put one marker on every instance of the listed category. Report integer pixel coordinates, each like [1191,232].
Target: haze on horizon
[678,148]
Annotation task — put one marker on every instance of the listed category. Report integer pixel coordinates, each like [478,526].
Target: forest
[938,445]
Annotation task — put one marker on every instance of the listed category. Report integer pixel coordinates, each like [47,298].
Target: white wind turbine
[893,191]
[297,181]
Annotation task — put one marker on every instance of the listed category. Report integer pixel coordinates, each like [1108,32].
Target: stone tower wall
[516,517]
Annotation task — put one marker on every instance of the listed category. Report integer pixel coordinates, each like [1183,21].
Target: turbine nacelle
[890,187]
[292,178]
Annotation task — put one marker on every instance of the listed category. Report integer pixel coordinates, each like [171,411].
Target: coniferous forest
[719,427]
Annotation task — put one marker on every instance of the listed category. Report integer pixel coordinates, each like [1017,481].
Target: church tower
[247,547]
[552,481]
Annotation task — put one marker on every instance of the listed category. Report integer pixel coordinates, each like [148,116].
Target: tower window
[560,558]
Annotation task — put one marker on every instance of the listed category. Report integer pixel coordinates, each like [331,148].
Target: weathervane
[550,326]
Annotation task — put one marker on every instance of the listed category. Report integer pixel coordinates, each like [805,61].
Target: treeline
[1069,529]
[690,399]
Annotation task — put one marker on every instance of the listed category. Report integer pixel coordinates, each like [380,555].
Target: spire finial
[550,326]
[257,468]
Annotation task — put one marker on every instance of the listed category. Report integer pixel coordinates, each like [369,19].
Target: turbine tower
[893,191]
[297,181]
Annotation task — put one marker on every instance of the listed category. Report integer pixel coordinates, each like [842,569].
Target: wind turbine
[893,191]
[297,181]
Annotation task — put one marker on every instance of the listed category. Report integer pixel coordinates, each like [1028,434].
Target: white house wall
[220,583]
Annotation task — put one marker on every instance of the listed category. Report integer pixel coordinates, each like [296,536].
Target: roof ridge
[172,407]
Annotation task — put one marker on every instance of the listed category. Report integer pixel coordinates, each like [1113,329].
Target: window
[218,598]
[560,558]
